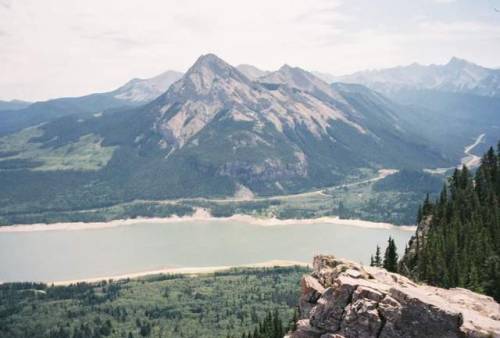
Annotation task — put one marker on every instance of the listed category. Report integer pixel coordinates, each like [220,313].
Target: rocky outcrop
[343,299]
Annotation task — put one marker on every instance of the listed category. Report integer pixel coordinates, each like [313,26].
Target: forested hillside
[458,239]
[249,302]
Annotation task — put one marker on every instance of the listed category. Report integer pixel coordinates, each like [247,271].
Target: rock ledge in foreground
[343,299]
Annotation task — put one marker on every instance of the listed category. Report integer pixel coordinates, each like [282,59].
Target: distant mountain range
[252,72]
[457,76]
[448,104]
[146,90]
[16,115]
[219,130]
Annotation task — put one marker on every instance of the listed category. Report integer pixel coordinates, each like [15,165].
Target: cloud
[6,4]
[116,37]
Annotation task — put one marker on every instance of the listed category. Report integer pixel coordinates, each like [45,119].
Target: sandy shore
[182,271]
[198,216]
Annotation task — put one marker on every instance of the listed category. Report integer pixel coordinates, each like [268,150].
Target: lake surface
[77,254]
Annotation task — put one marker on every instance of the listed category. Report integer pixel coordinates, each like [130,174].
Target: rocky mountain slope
[457,76]
[342,299]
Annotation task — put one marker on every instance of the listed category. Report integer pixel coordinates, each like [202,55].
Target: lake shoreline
[189,271]
[200,215]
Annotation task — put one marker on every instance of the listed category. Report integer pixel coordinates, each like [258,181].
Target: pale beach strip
[199,216]
[192,271]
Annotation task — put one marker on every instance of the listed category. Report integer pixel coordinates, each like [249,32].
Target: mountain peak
[143,90]
[457,62]
[286,67]
[210,62]
[299,78]
[206,76]
[456,76]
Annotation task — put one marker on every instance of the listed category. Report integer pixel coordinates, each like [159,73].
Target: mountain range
[449,104]
[457,76]
[218,131]
[16,115]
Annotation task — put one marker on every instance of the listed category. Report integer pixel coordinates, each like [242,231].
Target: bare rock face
[343,299]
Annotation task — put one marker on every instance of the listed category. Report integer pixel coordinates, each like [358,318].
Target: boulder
[343,299]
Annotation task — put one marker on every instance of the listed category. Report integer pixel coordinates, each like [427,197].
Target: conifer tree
[378,257]
[391,256]
[460,241]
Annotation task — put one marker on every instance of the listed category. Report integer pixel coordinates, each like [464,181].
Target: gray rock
[361,319]
[305,330]
[343,299]
[311,291]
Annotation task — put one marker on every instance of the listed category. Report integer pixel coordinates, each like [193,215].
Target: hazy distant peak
[454,61]
[144,90]
[286,68]
[458,75]
[252,72]
[166,74]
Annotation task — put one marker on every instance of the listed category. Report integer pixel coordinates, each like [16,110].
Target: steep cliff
[343,299]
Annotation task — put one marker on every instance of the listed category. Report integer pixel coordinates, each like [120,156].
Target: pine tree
[378,257]
[391,256]
[293,323]
[271,327]
[461,243]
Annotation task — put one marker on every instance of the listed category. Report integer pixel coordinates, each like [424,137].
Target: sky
[57,48]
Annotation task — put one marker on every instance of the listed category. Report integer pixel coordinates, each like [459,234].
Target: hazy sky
[54,48]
